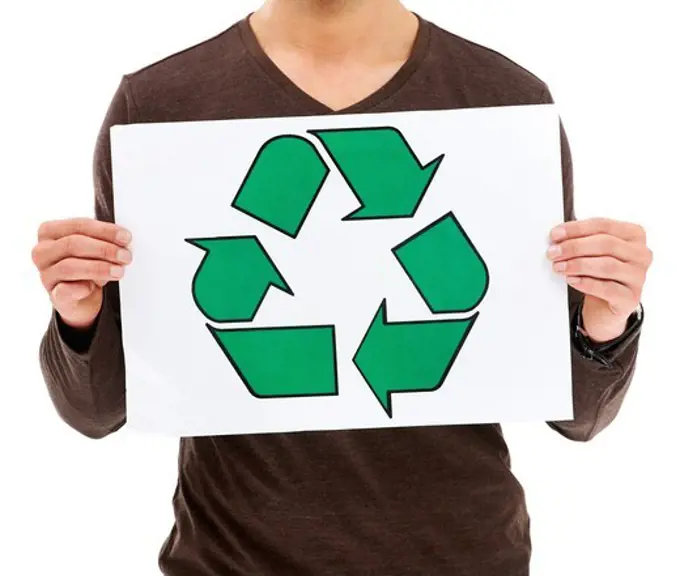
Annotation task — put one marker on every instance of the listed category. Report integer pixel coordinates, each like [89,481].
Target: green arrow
[444,266]
[381,169]
[283,362]
[233,278]
[409,356]
[282,184]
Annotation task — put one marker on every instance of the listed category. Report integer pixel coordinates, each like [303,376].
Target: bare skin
[339,52]
[608,261]
[76,258]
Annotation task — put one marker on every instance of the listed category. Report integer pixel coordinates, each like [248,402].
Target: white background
[81,507]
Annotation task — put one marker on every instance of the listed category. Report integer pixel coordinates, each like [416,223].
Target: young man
[432,501]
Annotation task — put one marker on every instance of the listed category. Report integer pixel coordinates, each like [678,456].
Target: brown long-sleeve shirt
[429,501]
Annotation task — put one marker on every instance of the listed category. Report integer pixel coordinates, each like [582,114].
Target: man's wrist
[78,339]
[603,334]
[605,352]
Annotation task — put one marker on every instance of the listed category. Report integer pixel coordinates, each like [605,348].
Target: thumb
[70,293]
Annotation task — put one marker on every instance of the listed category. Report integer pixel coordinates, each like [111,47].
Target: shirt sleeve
[598,388]
[84,370]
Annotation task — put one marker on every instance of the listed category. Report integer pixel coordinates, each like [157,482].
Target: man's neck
[336,29]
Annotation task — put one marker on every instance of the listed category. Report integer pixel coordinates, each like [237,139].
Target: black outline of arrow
[192,242]
[348,217]
[474,249]
[214,332]
[383,310]
[252,167]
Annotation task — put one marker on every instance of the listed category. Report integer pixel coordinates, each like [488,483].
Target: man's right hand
[76,258]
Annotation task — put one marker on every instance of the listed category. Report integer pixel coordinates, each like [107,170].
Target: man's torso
[422,501]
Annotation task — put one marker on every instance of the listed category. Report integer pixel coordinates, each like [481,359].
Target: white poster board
[342,272]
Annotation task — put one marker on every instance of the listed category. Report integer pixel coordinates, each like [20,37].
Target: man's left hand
[607,260]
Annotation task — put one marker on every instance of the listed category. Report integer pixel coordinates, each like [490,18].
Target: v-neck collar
[314,106]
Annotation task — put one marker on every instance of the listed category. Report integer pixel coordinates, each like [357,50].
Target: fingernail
[554,251]
[124,256]
[573,280]
[123,237]
[560,267]
[116,272]
[559,233]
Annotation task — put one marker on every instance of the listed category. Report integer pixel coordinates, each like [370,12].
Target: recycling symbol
[279,190]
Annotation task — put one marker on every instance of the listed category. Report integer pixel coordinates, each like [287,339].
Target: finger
[603,268]
[66,293]
[49,252]
[93,228]
[73,269]
[618,296]
[583,228]
[598,245]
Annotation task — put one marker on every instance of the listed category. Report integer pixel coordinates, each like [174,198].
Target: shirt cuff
[77,339]
[605,353]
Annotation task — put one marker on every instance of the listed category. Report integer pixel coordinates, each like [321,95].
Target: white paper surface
[500,177]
